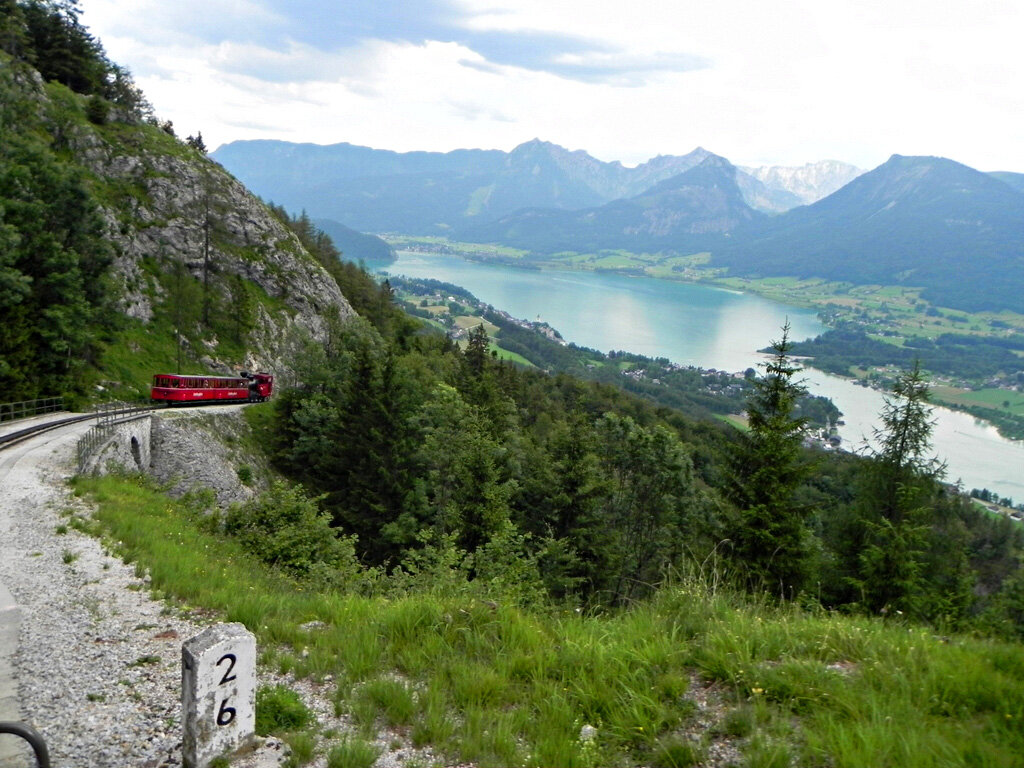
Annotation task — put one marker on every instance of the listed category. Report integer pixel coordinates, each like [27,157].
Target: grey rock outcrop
[192,451]
[167,203]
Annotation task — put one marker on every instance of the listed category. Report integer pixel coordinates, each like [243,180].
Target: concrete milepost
[218,693]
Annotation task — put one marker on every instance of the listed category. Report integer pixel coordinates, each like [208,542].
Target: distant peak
[534,143]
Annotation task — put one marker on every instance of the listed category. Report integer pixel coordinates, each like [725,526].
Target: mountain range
[807,183]
[924,221]
[691,211]
[426,193]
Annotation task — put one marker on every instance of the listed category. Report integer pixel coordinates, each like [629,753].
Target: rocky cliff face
[197,450]
[165,202]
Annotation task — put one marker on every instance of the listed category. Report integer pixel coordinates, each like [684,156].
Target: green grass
[353,753]
[493,684]
[515,357]
[1000,399]
[303,748]
[279,710]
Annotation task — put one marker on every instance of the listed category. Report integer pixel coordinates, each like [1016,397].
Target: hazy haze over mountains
[692,210]
[432,192]
[925,221]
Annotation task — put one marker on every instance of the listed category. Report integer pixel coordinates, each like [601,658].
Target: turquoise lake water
[711,328]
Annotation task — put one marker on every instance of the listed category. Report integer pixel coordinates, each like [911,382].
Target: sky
[761,82]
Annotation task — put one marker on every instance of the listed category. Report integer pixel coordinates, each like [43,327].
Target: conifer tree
[770,539]
[897,500]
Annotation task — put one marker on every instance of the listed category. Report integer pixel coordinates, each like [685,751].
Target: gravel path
[98,662]
[95,655]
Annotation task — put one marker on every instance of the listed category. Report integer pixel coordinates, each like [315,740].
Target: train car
[175,389]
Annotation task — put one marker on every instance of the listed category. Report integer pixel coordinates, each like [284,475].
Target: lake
[712,328]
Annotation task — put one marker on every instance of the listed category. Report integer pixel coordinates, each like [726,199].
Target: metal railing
[25,408]
[108,415]
[88,443]
[34,740]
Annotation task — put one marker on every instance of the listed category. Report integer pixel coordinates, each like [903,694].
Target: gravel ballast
[98,662]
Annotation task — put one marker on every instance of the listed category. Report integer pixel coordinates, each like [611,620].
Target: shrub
[285,528]
[97,110]
[279,709]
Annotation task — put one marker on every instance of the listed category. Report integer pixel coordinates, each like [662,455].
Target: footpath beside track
[87,657]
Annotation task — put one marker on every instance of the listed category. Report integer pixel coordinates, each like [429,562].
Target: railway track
[101,417]
[12,438]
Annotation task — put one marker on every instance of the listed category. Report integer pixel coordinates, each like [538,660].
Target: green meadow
[699,674]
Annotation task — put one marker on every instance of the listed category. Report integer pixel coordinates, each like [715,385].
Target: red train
[248,388]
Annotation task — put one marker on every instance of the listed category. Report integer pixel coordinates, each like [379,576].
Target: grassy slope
[497,684]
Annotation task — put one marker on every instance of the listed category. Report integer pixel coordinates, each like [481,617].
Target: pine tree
[897,500]
[770,538]
[368,468]
[649,505]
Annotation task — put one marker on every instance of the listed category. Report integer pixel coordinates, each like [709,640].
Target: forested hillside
[53,255]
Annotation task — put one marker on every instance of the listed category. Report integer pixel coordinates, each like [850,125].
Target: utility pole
[206,252]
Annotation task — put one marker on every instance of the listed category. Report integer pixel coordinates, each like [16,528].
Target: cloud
[468,110]
[574,58]
[296,63]
[307,40]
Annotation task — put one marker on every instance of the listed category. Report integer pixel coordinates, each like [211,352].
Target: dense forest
[426,453]
[52,253]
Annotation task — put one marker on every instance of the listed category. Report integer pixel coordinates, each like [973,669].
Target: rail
[107,416]
[24,434]
[22,409]
[34,740]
